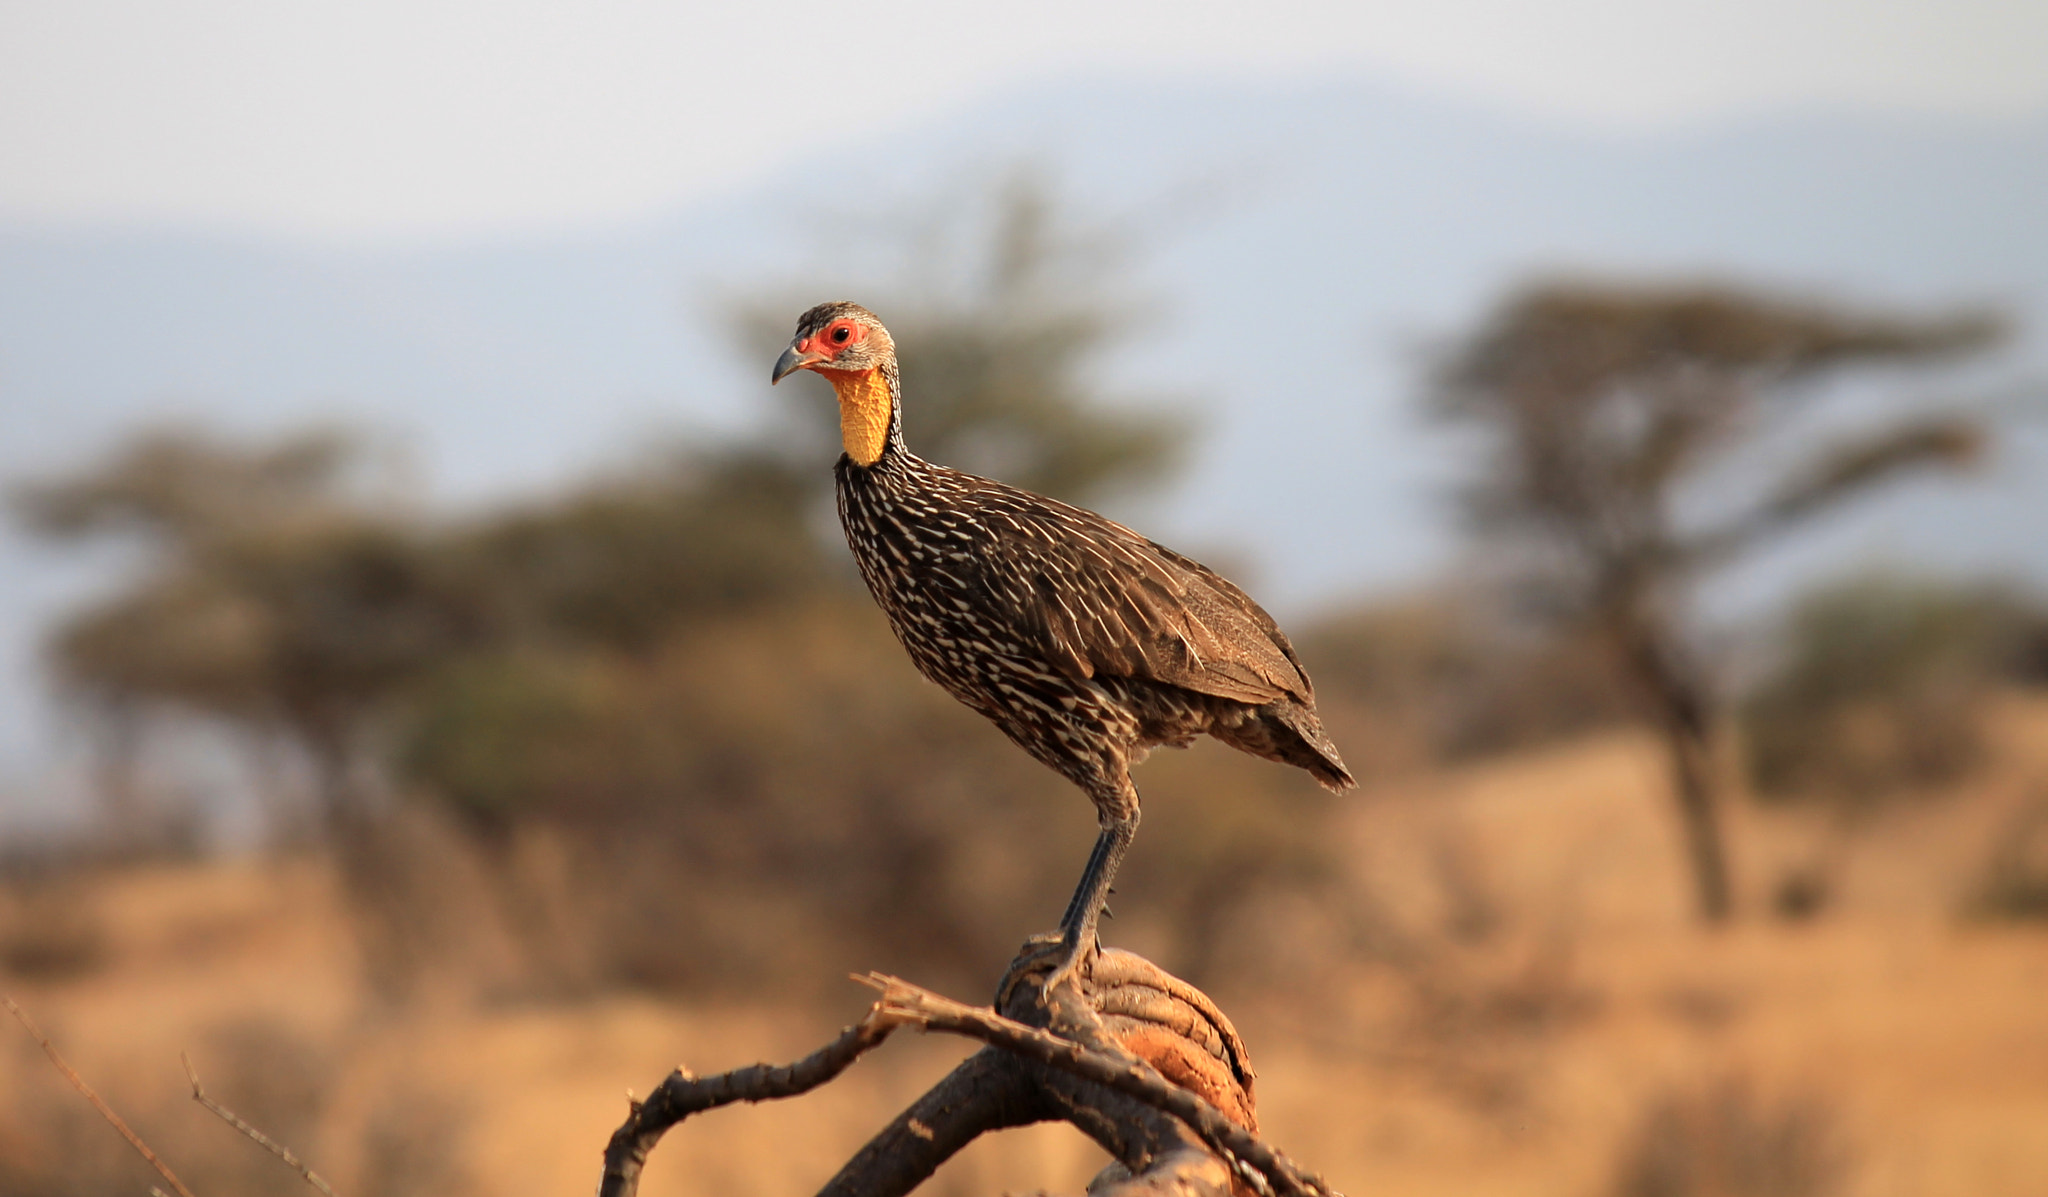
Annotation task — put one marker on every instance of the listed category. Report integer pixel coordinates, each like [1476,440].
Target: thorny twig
[255,1136]
[106,1111]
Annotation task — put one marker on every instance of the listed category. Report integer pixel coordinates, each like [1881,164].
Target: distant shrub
[50,930]
[1879,687]
[411,1146]
[1435,676]
[2015,881]
[1726,1141]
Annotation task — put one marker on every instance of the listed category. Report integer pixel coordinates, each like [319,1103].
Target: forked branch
[683,1093]
[1118,1070]
[1136,1059]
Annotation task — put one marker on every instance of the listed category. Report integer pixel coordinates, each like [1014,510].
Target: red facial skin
[822,342]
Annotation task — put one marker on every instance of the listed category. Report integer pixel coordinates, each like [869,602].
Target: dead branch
[106,1111]
[1121,1071]
[1138,1060]
[683,1093]
[255,1136]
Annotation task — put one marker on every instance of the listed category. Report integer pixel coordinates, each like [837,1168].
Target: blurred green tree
[1879,685]
[1600,404]
[281,593]
[623,560]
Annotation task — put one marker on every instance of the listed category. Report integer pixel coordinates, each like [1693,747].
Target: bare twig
[255,1136]
[1128,1075]
[106,1111]
[682,1094]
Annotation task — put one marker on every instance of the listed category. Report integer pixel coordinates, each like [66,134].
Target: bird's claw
[1069,957]
[1072,961]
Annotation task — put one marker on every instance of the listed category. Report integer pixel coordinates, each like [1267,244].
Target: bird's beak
[792,360]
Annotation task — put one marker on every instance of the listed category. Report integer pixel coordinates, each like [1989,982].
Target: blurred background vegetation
[645,734]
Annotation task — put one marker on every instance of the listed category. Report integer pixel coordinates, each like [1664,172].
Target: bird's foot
[1047,961]
[1076,954]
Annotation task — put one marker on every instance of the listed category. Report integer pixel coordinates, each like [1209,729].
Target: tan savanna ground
[1518,1059]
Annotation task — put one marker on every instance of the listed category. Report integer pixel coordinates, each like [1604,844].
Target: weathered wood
[1136,1059]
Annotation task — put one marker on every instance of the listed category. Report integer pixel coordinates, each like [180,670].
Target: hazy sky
[409,117]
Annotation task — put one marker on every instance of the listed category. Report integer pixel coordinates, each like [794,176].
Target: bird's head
[847,345]
[836,338]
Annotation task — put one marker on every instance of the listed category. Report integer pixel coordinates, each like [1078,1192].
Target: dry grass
[1523,994]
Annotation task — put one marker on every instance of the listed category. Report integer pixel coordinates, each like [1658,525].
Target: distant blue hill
[1346,225]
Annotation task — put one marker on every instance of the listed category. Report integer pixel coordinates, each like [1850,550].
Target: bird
[1086,643]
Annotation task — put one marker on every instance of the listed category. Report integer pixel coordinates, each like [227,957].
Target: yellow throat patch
[863,412]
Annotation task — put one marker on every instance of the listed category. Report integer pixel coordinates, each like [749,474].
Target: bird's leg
[1084,912]
[1084,909]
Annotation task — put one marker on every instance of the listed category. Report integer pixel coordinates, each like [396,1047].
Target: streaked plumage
[1086,643]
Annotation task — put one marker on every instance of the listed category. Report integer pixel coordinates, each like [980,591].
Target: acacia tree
[1603,406]
[279,596]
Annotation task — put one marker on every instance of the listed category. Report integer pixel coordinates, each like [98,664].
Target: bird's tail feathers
[1296,737]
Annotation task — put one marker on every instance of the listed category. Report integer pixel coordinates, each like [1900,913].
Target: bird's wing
[1099,599]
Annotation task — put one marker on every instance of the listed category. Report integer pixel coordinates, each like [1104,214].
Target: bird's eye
[841,334]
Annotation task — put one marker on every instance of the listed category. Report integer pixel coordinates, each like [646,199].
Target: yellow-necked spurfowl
[1083,641]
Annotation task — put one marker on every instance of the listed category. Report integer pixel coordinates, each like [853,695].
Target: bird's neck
[868,416]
